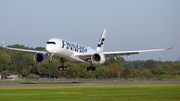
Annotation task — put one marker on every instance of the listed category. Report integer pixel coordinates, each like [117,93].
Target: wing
[24,50]
[86,56]
[120,53]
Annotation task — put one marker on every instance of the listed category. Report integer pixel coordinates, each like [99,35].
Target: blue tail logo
[101,42]
[100,45]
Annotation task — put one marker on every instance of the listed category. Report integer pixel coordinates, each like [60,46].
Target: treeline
[24,63]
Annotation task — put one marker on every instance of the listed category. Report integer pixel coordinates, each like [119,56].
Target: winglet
[171,47]
[3,45]
[100,46]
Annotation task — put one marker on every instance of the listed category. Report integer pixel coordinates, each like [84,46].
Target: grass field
[122,92]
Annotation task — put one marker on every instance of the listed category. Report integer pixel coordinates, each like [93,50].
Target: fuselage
[67,50]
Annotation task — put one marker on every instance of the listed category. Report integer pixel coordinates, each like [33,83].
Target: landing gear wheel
[89,68]
[60,68]
[51,61]
[93,68]
[65,68]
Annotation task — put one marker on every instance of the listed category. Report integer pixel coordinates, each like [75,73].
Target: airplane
[73,52]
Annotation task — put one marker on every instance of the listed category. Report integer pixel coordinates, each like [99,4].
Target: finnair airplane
[73,52]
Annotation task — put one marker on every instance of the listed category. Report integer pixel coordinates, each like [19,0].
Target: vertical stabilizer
[100,46]
[3,45]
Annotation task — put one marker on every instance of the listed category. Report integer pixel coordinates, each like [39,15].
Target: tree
[40,48]
[127,72]
[136,73]
[24,73]
[128,64]
[47,71]
[11,67]
[149,64]
[138,64]
[114,69]
[157,70]
[30,68]
[6,59]
[146,73]
[40,69]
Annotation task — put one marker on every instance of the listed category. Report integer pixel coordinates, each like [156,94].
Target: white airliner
[73,52]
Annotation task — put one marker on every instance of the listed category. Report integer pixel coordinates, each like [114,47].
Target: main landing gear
[62,67]
[91,67]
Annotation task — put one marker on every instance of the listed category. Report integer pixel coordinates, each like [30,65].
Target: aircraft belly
[68,55]
[75,60]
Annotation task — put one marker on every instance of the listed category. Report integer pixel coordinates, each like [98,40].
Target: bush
[32,76]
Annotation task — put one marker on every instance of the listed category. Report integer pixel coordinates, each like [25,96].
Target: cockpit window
[50,42]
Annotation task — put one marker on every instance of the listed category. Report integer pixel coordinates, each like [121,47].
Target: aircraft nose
[49,48]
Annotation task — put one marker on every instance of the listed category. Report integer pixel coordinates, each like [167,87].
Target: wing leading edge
[120,53]
[23,50]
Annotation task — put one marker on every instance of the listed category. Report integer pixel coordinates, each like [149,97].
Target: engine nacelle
[40,58]
[98,58]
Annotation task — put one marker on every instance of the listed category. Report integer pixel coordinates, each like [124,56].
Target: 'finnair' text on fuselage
[73,46]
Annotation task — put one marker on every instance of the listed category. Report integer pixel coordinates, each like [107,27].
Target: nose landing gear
[50,60]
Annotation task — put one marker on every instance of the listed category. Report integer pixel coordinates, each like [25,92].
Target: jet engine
[98,58]
[40,58]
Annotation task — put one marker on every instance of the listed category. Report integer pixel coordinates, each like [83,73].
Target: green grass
[128,92]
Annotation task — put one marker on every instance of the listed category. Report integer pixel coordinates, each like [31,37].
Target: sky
[130,24]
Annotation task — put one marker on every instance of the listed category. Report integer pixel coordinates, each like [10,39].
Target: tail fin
[100,46]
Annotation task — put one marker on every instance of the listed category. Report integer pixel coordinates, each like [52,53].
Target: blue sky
[130,24]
